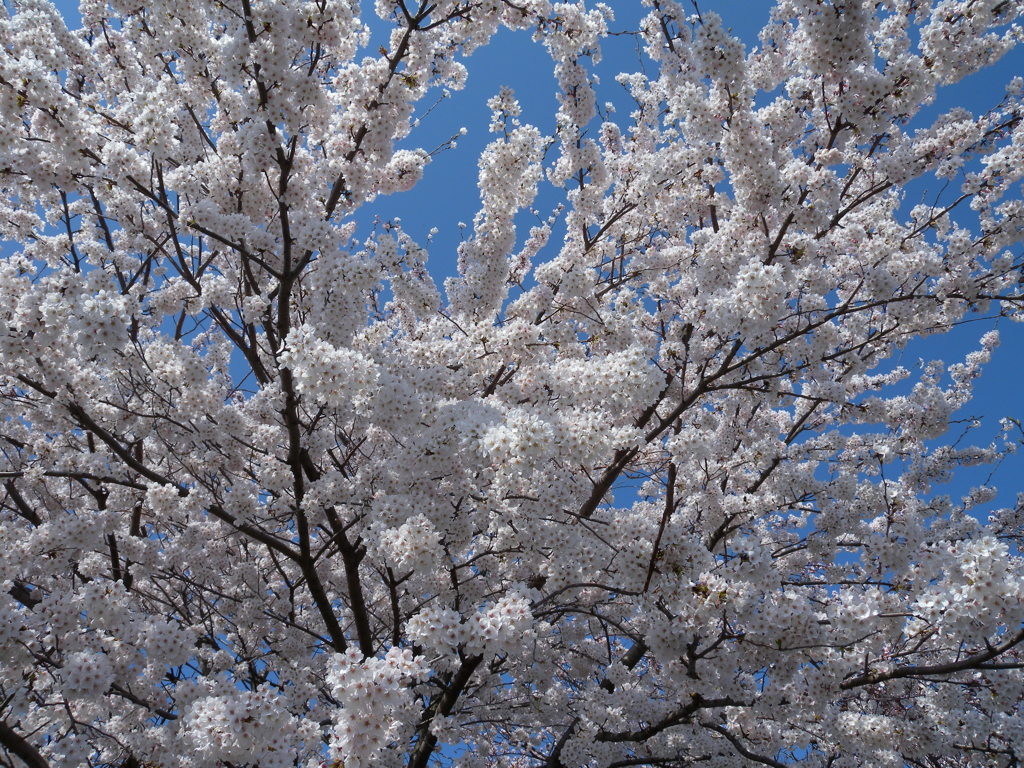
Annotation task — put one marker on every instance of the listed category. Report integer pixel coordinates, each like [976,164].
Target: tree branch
[18,746]
[927,670]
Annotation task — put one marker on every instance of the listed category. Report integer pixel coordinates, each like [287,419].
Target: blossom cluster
[241,728]
[374,697]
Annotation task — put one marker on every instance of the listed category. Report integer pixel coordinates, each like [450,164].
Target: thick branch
[927,670]
[426,741]
[17,745]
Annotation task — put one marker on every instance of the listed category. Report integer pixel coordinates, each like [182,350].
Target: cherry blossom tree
[641,485]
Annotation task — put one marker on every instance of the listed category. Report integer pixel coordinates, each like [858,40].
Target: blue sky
[448,193]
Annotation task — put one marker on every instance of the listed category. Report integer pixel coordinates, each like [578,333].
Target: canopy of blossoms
[641,485]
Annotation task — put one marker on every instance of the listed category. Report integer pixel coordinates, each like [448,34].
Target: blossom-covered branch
[640,483]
